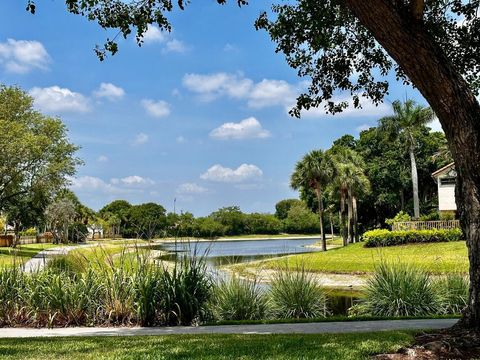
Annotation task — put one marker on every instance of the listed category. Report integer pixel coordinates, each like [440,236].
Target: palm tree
[314,171]
[350,182]
[406,122]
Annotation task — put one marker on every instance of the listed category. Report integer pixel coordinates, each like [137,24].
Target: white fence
[426,225]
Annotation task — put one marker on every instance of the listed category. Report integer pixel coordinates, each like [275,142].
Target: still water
[218,253]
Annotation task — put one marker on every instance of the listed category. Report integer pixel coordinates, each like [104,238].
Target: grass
[436,258]
[209,347]
[22,253]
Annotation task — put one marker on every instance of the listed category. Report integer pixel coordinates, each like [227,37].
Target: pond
[218,253]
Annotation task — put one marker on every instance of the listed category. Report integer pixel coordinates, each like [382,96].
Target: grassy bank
[436,258]
[22,253]
[292,346]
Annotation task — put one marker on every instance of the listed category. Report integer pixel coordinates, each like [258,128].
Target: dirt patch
[448,344]
[328,280]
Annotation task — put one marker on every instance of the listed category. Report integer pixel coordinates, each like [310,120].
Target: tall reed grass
[122,291]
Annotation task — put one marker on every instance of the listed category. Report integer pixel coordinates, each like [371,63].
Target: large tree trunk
[416,202]
[331,226]
[318,191]
[455,105]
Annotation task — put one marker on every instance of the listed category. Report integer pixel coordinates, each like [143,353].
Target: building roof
[443,169]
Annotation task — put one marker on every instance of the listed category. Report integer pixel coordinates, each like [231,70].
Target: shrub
[301,220]
[383,237]
[399,290]
[296,294]
[452,290]
[447,215]
[238,299]
[400,217]
[256,223]
[77,232]
[29,232]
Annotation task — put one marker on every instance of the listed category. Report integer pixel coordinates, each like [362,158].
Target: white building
[446,179]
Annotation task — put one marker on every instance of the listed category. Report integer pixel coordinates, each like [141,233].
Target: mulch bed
[446,344]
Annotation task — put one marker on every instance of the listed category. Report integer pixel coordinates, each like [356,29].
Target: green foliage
[400,217]
[256,223]
[74,290]
[447,215]
[232,218]
[383,237]
[301,220]
[283,206]
[239,299]
[36,157]
[397,289]
[206,227]
[77,232]
[29,232]
[453,293]
[295,293]
[146,220]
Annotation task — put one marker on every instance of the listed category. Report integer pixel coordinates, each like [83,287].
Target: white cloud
[224,174]
[102,158]
[140,139]
[435,125]
[191,188]
[156,108]
[109,91]
[57,99]
[212,86]
[271,93]
[154,35]
[133,180]
[230,48]
[368,109]
[22,56]
[176,46]
[249,128]
[89,183]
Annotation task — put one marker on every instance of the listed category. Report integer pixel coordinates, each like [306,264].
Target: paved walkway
[39,261]
[307,328]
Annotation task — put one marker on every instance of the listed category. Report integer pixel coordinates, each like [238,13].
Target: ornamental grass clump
[397,289]
[452,290]
[239,299]
[119,290]
[295,293]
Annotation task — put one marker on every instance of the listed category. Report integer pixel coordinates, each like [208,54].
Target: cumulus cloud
[109,91]
[132,180]
[154,35]
[244,172]
[249,128]
[175,46]
[271,93]
[22,56]
[191,188]
[212,86]
[56,99]
[156,109]
[140,139]
[181,140]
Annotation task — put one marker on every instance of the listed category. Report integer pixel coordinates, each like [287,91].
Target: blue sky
[199,115]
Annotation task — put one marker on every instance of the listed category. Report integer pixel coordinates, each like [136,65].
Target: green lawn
[435,257]
[209,347]
[22,253]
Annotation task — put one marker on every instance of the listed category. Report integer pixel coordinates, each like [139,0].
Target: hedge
[383,237]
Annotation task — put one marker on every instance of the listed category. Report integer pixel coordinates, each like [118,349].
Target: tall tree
[407,123]
[36,156]
[432,44]
[314,171]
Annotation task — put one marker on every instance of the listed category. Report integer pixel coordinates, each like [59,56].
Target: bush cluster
[68,293]
[383,237]
[398,289]
[292,295]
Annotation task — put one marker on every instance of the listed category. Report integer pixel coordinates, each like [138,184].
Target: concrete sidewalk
[307,328]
